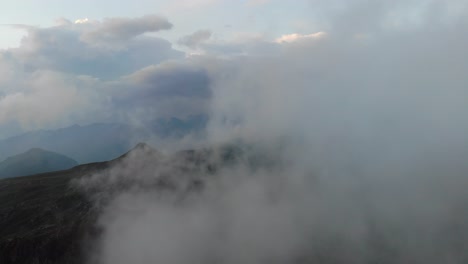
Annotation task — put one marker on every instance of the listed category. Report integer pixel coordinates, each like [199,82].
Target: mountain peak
[142,150]
[142,145]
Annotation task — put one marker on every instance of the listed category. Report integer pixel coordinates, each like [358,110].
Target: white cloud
[82,21]
[297,37]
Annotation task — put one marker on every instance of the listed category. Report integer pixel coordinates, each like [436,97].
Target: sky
[224,18]
[64,63]
[37,40]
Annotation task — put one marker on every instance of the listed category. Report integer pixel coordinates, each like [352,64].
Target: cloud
[170,89]
[121,29]
[297,37]
[45,96]
[363,16]
[119,56]
[82,21]
[368,140]
[194,39]
[88,77]
[166,79]
[60,48]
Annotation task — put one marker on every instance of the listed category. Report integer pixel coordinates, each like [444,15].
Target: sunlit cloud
[296,37]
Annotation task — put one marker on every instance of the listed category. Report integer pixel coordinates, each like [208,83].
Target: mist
[362,138]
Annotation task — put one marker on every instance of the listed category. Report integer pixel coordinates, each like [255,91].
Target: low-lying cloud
[362,142]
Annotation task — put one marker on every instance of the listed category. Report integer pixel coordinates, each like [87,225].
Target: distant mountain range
[34,161]
[100,141]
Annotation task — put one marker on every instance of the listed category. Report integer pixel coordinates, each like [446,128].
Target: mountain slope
[34,161]
[45,218]
[42,220]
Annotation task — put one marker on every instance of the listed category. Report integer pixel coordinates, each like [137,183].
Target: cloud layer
[368,121]
[121,29]
[79,72]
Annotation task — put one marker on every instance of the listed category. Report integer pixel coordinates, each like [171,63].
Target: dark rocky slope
[45,219]
[42,219]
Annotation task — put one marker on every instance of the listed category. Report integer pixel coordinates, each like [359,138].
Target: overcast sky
[66,62]
[223,17]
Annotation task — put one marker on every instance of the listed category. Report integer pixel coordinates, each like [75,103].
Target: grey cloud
[47,98]
[122,29]
[378,154]
[172,79]
[364,16]
[80,81]
[195,39]
[165,90]
[374,137]
[59,48]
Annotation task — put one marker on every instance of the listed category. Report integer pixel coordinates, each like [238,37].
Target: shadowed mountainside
[45,219]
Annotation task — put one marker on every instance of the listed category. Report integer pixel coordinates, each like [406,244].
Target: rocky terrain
[45,218]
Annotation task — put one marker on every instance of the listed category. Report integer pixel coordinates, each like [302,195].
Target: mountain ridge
[99,141]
